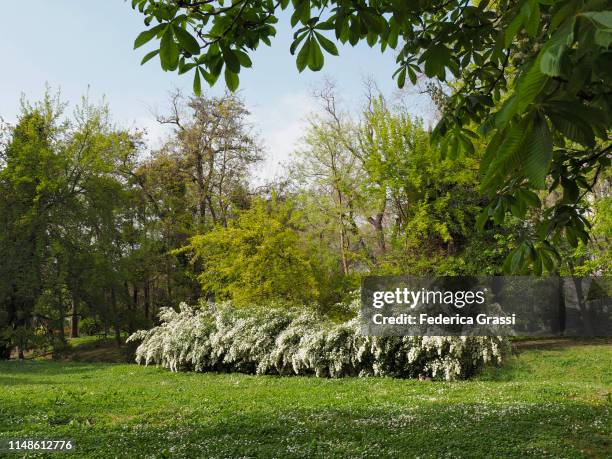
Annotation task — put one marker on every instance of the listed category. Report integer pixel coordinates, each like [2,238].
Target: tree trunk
[377,223]
[106,321]
[6,348]
[115,317]
[586,317]
[61,310]
[168,279]
[345,268]
[147,299]
[22,342]
[5,351]
[561,307]
[135,296]
[201,202]
[584,312]
[62,316]
[74,315]
[133,307]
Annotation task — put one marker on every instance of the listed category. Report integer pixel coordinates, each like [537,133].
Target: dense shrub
[90,326]
[301,342]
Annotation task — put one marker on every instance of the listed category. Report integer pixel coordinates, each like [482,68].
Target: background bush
[90,327]
[301,342]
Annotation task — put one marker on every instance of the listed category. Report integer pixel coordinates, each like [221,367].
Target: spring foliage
[219,337]
[257,257]
[528,78]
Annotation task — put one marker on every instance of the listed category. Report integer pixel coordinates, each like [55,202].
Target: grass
[549,401]
[95,350]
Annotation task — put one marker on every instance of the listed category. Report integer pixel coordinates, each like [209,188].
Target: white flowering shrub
[300,342]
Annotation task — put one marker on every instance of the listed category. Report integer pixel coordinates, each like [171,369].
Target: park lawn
[549,401]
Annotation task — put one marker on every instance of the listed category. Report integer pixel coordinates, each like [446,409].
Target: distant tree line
[97,233]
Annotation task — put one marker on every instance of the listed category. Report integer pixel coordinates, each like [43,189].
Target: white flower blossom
[220,337]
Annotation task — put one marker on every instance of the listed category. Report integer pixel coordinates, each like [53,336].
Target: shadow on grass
[557,343]
[429,430]
[43,368]
[8,381]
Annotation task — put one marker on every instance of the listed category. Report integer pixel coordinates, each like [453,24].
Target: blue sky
[76,44]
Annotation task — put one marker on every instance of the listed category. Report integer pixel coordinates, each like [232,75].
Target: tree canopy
[532,78]
[97,234]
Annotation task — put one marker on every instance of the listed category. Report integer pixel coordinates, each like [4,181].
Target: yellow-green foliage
[257,257]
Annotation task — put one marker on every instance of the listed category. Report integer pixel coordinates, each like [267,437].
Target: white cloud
[156,133]
[280,124]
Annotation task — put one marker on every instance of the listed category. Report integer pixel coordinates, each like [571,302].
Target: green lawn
[550,401]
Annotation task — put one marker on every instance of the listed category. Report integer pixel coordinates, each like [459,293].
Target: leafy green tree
[595,256]
[30,186]
[257,258]
[214,148]
[196,180]
[530,77]
[382,199]
[165,220]
[331,174]
[64,207]
[430,200]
